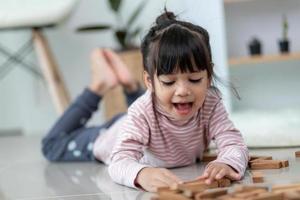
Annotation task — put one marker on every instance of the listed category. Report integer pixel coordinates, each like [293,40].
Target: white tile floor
[25,174]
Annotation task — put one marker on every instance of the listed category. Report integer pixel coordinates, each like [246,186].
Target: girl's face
[181,95]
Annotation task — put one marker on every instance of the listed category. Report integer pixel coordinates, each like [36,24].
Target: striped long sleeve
[231,147]
[149,137]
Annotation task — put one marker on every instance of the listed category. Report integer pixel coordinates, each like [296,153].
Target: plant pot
[255,47]
[284,46]
[114,100]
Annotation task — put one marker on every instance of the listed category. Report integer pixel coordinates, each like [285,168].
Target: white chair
[36,15]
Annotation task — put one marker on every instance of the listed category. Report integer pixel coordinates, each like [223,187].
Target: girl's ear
[147,81]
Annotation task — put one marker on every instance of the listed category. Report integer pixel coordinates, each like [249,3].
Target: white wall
[25,102]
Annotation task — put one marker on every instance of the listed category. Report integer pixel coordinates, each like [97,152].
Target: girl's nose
[182,90]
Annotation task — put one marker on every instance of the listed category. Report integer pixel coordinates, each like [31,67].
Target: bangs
[181,50]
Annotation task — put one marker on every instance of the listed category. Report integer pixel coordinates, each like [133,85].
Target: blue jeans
[69,139]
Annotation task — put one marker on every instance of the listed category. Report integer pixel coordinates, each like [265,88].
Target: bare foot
[123,74]
[103,77]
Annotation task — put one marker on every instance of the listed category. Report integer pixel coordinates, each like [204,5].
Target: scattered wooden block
[266,164]
[172,196]
[224,182]
[261,158]
[190,188]
[246,188]
[294,186]
[291,195]
[155,198]
[285,163]
[166,189]
[297,154]
[268,196]
[253,193]
[211,194]
[257,177]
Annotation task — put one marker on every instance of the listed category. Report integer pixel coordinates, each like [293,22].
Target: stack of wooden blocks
[193,190]
[198,191]
[219,189]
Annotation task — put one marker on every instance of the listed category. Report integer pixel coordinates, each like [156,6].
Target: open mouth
[183,108]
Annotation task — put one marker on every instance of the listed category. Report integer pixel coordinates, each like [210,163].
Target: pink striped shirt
[142,140]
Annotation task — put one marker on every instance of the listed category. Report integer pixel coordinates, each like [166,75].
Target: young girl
[173,122]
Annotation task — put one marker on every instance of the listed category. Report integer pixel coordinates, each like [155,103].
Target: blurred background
[267,81]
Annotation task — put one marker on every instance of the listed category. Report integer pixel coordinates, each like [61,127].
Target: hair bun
[165,17]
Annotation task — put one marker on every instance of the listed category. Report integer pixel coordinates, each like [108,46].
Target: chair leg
[51,72]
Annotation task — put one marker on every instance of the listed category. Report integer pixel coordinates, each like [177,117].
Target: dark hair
[172,45]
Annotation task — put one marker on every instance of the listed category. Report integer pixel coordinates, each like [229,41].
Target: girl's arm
[128,151]
[231,147]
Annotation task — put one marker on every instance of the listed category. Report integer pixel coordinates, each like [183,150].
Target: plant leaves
[136,13]
[93,28]
[115,5]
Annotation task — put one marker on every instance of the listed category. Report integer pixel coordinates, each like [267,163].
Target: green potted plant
[284,41]
[124,32]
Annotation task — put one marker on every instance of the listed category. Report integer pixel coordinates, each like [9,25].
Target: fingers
[172,177]
[217,171]
[220,174]
[166,178]
[212,175]
[234,175]
[156,184]
[169,178]
[202,177]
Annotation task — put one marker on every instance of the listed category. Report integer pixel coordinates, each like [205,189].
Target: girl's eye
[196,80]
[168,83]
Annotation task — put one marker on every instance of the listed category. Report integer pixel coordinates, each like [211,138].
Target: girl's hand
[151,178]
[216,171]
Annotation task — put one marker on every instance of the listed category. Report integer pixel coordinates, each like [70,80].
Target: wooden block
[211,194]
[166,189]
[261,158]
[291,195]
[297,154]
[208,157]
[285,163]
[214,184]
[282,191]
[224,182]
[257,177]
[286,186]
[228,197]
[196,181]
[172,196]
[249,194]
[191,191]
[266,164]
[246,188]
[191,188]
[268,196]
[155,198]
